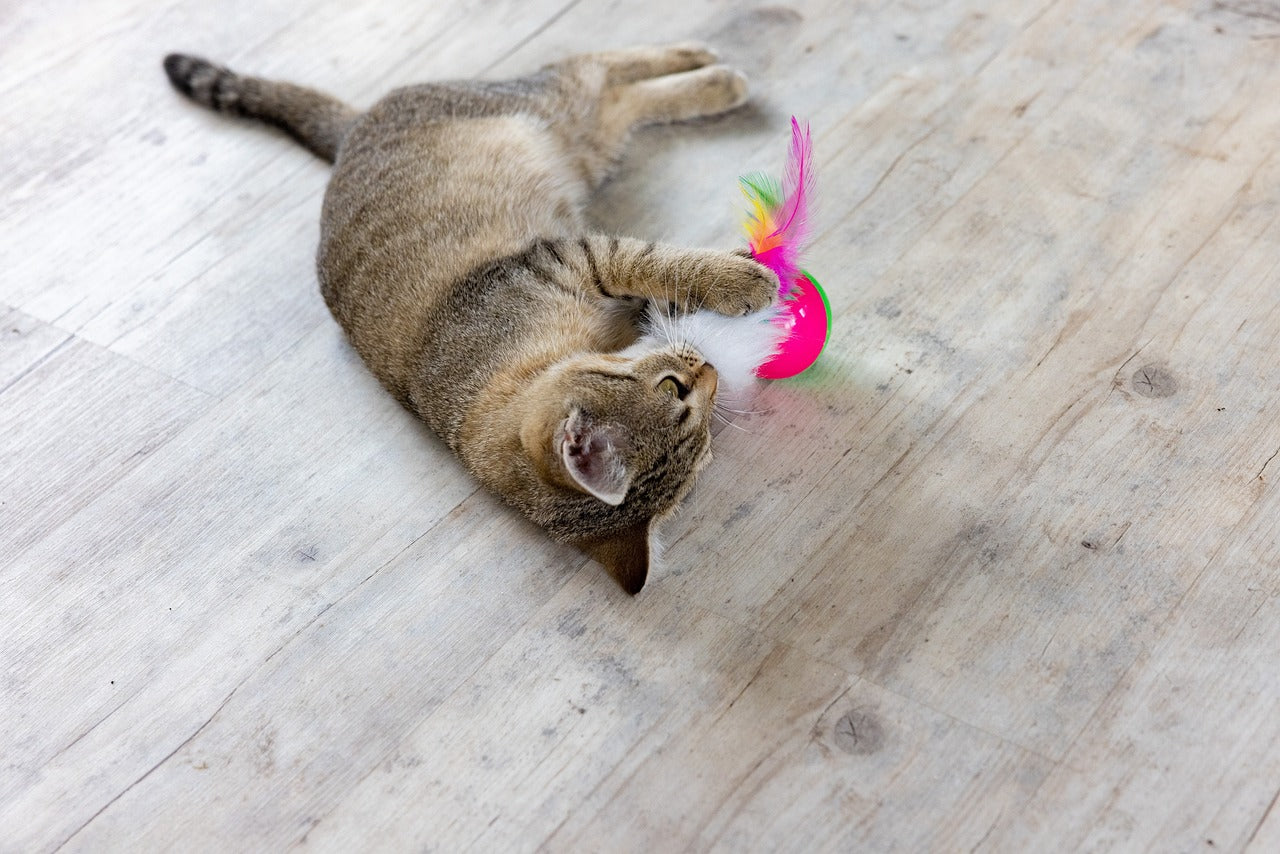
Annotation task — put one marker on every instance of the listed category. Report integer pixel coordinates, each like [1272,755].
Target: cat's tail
[318,121]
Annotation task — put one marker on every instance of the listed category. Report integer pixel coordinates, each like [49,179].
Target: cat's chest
[574,324]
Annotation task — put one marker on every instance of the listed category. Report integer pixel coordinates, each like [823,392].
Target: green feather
[763,187]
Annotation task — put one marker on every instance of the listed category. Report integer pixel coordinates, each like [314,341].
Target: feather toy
[777,227]
[778,222]
[783,339]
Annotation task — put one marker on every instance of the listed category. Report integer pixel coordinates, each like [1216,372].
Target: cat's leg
[673,97]
[620,267]
[632,64]
[598,136]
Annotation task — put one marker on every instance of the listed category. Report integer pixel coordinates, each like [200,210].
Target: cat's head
[627,433]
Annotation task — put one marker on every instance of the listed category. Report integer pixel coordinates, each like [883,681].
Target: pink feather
[779,234]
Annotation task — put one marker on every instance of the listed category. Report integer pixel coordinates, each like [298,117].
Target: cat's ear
[626,555]
[592,457]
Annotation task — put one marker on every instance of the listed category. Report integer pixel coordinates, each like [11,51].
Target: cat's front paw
[740,286]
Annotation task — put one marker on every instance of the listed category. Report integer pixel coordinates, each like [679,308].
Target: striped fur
[454,253]
[314,119]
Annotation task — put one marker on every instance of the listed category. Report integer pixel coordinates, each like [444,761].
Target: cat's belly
[413,208]
[463,191]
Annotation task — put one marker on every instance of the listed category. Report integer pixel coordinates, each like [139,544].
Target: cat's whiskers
[670,314]
[727,421]
[657,322]
[743,412]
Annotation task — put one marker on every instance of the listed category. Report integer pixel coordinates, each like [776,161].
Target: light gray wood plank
[127,629]
[424,623]
[1017,525]
[24,343]
[211,275]
[1266,834]
[797,58]
[606,723]
[73,423]
[970,476]
[856,776]
[1185,753]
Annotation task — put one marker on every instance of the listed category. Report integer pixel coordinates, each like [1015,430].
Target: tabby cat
[455,254]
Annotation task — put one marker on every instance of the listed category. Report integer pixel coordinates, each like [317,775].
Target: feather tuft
[777,224]
[736,346]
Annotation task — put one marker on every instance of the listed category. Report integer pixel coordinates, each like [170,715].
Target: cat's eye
[673,387]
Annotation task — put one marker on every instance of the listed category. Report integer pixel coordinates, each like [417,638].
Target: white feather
[736,346]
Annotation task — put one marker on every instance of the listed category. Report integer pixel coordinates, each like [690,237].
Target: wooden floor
[1001,573]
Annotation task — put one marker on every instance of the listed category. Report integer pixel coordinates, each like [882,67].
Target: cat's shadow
[684,172]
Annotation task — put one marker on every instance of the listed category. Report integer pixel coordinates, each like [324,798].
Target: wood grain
[1000,573]
[76,419]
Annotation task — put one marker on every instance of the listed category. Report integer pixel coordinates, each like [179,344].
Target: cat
[455,254]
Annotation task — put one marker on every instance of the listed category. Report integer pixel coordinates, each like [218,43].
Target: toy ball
[777,229]
[805,322]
